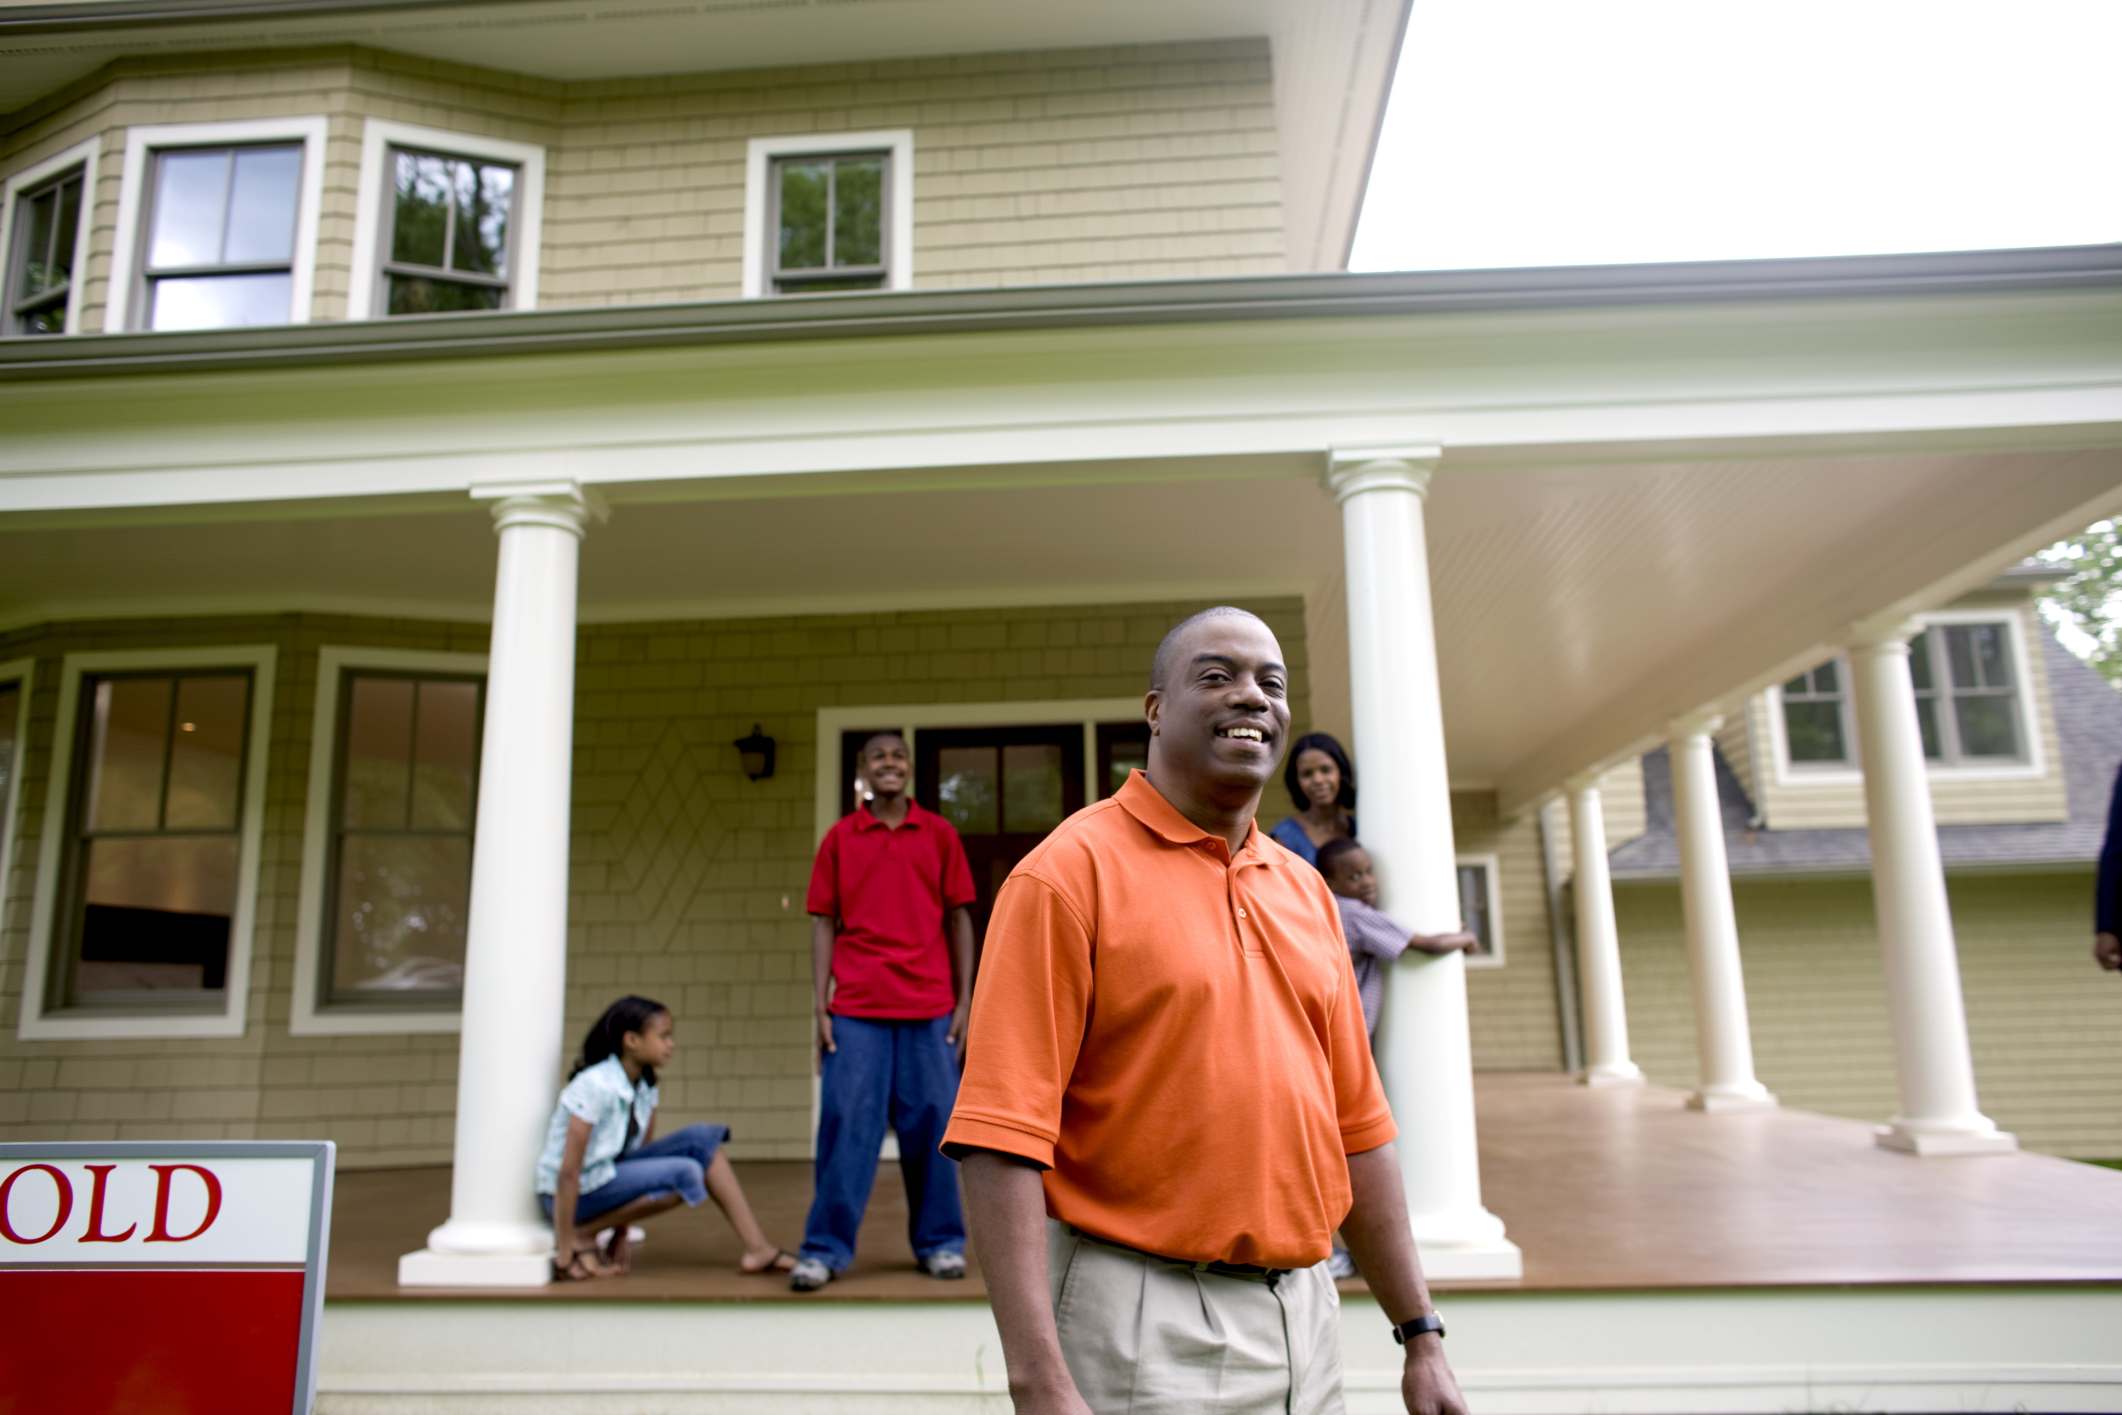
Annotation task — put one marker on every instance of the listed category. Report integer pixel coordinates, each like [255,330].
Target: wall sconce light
[755,753]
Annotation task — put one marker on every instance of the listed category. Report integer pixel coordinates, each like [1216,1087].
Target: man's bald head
[1160,667]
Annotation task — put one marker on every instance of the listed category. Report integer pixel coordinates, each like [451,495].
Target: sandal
[783,1261]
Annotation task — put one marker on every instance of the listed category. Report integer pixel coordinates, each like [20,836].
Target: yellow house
[439,437]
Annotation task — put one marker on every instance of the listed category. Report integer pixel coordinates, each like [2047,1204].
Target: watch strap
[1421,1326]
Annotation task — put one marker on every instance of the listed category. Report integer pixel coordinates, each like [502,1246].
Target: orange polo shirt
[1174,1033]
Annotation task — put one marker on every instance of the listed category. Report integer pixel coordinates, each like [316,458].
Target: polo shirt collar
[864,820]
[1147,804]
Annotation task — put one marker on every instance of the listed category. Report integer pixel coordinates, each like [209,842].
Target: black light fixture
[755,753]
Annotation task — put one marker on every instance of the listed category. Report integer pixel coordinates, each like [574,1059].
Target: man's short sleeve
[957,874]
[824,894]
[1029,1009]
[1359,1097]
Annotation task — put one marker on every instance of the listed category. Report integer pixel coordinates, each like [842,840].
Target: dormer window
[829,213]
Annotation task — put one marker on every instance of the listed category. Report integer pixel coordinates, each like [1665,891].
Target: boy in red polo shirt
[889,883]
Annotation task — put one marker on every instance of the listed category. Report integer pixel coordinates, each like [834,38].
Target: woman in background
[1322,789]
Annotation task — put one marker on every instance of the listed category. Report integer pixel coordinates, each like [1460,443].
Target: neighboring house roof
[2089,734]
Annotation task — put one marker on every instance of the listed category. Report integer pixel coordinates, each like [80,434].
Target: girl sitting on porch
[601,1168]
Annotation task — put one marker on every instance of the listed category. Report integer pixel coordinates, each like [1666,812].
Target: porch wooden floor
[1602,1189]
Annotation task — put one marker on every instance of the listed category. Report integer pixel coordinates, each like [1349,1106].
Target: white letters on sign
[82,1212]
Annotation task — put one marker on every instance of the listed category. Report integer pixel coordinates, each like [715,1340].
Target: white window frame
[22,673]
[526,220]
[39,1024]
[141,144]
[899,235]
[2023,665]
[306,1018]
[1492,865]
[82,155]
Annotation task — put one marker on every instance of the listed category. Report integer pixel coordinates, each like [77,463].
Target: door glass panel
[157,914]
[1031,788]
[400,916]
[206,754]
[379,743]
[126,753]
[446,746]
[966,794]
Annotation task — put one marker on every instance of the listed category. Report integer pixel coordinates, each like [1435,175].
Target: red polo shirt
[886,889]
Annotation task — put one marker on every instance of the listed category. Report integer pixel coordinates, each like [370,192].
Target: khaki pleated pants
[1143,1336]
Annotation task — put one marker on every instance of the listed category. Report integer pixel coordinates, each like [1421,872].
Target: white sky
[1566,132]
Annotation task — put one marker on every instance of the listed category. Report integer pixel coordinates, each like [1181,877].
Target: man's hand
[2107,952]
[1427,1385]
[957,1022]
[825,1033]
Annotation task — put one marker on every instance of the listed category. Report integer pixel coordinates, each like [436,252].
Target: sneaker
[946,1265]
[808,1275]
[1341,1264]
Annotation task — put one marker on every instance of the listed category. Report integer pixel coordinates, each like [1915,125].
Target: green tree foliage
[2090,601]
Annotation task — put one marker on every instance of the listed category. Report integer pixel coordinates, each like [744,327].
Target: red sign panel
[160,1277]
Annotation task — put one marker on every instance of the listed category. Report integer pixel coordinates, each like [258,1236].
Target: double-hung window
[1970,702]
[829,214]
[447,222]
[1480,910]
[1816,725]
[42,241]
[387,854]
[1967,694]
[217,225]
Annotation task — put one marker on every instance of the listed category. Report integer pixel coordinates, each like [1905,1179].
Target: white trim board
[83,155]
[130,241]
[22,672]
[526,215]
[37,1024]
[899,239]
[306,1018]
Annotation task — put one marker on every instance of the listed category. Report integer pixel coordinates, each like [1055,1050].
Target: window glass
[10,717]
[155,845]
[261,205]
[1815,727]
[1473,907]
[40,268]
[450,222]
[1031,788]
[967,793]
[1985,706]
[401,858]
[829,222]
[221,237]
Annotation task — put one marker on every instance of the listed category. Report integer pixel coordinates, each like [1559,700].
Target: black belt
[1250,1272]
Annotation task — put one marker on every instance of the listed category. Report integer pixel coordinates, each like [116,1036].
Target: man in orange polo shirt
[1169,1103]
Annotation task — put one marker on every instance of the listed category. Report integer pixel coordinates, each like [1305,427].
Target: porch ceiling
[1578,608]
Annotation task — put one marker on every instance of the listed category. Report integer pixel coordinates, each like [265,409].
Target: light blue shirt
[599,1095]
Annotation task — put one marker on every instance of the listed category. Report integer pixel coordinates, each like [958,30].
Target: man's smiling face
[1222,713]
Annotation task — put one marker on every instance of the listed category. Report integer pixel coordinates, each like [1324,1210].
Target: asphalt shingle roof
[2089,732]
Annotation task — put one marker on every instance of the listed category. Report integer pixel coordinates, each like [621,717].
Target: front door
[1004,788]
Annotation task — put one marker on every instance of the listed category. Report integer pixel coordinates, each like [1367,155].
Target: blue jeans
[880,1071]
[676,1164]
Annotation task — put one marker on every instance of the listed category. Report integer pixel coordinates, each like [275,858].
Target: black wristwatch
[1421,1326]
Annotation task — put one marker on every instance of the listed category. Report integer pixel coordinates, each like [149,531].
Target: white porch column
[515,956]
[1606,1058]
[1424,1052]
[1722,1038]
[1939,1115]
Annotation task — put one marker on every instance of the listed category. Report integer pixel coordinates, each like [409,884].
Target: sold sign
[213,1253]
